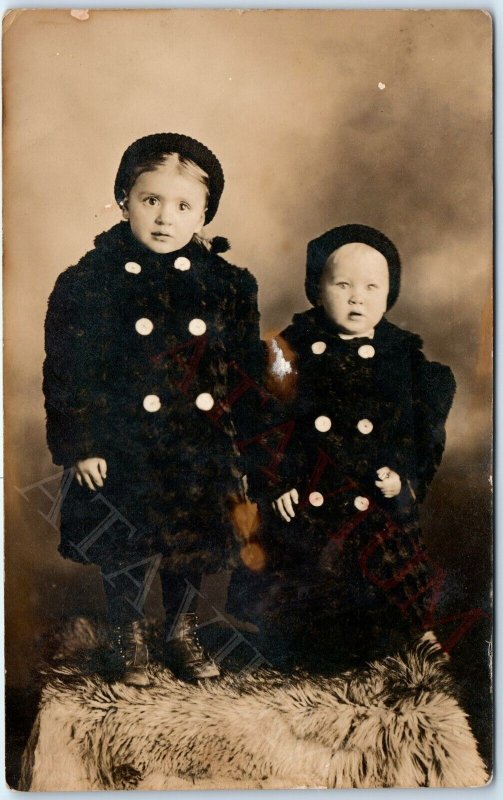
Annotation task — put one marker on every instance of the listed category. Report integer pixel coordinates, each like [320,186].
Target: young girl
[364,412]
[145,340]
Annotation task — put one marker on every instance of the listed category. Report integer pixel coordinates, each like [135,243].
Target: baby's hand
[91,472]
[284,504]
[389,482]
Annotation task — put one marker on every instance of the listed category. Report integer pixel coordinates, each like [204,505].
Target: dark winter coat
[356,554]
[172,468]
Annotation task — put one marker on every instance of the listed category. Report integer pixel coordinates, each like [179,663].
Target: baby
[346,560]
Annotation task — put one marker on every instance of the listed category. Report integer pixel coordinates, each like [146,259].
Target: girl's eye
[184,206]
[151,201]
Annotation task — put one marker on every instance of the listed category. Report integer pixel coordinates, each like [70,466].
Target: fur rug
[396,723]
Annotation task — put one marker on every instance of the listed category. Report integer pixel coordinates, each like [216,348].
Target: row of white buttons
[323,424]
[203,401]
[365,351]
[181,263]
[360,503]
[145,326]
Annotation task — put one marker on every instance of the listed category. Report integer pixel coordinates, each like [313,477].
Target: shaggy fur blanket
[396,723]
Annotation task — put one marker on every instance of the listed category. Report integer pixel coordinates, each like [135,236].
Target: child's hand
[389,482]
[284,504]
[91,472]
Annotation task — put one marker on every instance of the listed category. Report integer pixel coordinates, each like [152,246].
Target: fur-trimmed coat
[348,408]
[143,352]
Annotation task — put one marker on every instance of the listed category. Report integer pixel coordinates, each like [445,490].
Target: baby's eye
[342,284]
[150,200]
[184,206]
[373,286]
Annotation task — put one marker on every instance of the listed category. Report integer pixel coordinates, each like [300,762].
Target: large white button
[182,263]
[132,267]
[366,351]
[144,326]
[204,401]
[316,499]
[361,503]
[322,424]
[365,426]
[318,348]
[151,403]
[197,327]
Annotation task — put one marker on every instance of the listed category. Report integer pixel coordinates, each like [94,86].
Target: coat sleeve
[276,464]
[434,387]
[71,372]
[247,362]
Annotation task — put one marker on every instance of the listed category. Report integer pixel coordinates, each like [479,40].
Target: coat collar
[312,325]
[120,243]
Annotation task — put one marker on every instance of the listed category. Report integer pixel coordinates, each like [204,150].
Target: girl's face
[354,288]
[165,208]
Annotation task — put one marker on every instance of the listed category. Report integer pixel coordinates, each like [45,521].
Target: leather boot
[131,646]
[184,653]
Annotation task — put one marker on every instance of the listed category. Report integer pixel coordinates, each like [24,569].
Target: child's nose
[164,215]
[356,296]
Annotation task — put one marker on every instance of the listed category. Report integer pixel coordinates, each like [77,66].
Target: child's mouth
[159,235]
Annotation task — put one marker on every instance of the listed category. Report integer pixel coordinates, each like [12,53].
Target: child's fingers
[102,468]
[95,476]
[78,478]
[389,487]
[288,505]
[282,509]
[88,482]
[383,473]
[295,496]
[395,484]
[278,507]
[283,505]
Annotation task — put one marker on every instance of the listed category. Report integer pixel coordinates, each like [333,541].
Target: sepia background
[319,118]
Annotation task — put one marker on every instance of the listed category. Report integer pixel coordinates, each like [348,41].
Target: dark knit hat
[321,248]
[146,153]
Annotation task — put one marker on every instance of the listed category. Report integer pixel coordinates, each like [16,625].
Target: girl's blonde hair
[188,167]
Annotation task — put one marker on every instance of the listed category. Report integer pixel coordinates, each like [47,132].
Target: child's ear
[200,224]
[124,209]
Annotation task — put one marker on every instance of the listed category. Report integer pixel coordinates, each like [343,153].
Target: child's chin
[162,247]
[352,327]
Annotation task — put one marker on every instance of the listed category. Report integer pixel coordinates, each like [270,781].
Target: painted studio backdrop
[319,119]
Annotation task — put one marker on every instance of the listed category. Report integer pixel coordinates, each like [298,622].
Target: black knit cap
[321,248]
[150,149]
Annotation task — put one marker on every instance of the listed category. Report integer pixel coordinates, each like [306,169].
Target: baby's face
[165,209]
[354,288]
